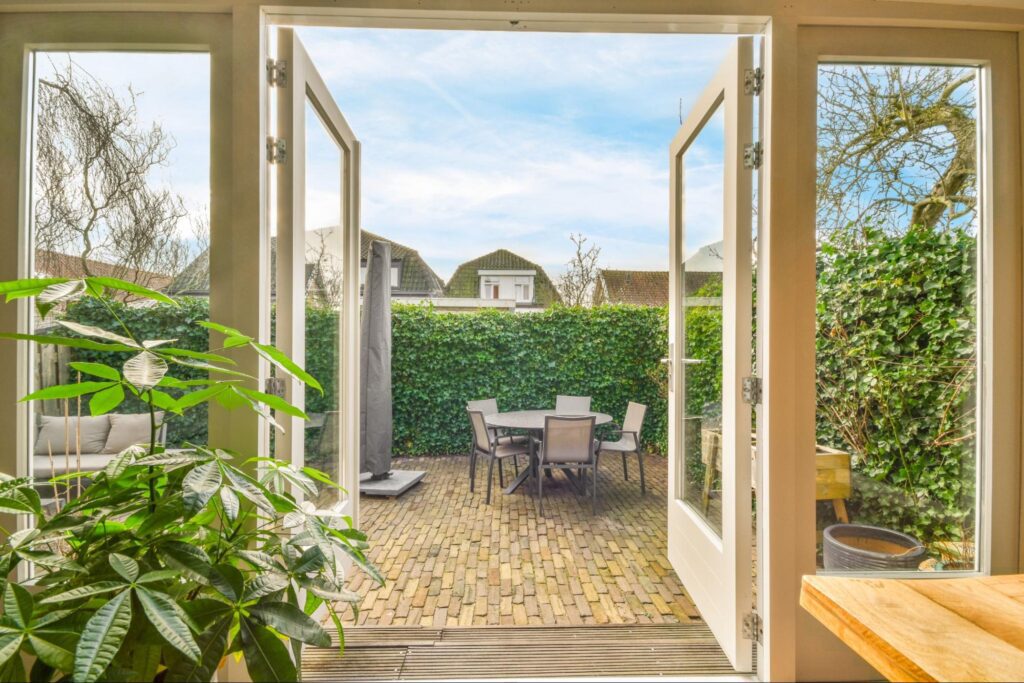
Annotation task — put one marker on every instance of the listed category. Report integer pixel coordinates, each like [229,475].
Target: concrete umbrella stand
[377,478]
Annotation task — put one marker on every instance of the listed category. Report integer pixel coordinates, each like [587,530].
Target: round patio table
[533,422]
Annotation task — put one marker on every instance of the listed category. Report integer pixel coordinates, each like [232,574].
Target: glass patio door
[314,162]
[709,501]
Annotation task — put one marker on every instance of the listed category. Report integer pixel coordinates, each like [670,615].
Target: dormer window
[509,285]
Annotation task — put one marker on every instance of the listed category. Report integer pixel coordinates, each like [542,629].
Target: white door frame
[300,85]
[715,567]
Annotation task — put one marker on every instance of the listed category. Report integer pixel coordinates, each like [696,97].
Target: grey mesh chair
[572,405]
[568,445]
[629,440]
[484,445]
[489,406]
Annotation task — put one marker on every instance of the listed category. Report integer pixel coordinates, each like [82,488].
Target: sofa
[100,439]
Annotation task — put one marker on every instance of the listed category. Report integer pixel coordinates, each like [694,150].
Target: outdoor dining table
[533,421]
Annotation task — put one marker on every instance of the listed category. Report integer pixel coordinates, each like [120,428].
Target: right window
[897,317]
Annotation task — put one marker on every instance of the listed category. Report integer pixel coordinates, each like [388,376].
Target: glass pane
[120,188]
[703,166]
[324,260]
[897,344]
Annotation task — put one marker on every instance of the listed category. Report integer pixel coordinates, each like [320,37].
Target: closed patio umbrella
[375,365]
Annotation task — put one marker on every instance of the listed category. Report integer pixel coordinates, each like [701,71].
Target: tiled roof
[57,264]
[637,287]
[465,282]
[417,276]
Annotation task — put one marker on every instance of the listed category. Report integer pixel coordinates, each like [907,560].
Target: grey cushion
[51,438]
[128,430]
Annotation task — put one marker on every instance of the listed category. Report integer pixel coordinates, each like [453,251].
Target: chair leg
[501,473]
[593,499]
[472,470]
[490,478]
[625,472]
[640,461]
[540,494]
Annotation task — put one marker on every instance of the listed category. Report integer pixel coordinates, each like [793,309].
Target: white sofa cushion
[63,464]
[51,437]
[128,430]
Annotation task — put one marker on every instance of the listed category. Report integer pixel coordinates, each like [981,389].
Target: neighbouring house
[411,277]
[57,264]
[635,287]
[704,266]
[502,276]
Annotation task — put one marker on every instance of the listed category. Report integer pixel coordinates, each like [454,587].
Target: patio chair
[489,406]
[568,445]
[484,445]
[572,405]
[629,440]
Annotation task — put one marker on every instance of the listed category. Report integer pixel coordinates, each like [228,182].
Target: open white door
[709,499]
[315,173]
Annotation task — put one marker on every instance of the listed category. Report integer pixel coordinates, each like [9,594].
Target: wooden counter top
[966,629]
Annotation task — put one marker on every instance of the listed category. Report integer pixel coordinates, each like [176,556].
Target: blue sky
[474,141]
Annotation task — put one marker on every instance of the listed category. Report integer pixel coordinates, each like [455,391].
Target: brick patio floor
[451,560]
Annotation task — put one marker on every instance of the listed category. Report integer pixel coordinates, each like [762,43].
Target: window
[898,222]
[148,223]
[523,293]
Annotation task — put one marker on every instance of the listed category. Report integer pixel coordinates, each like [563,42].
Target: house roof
[637,287]
[57,264]
[707,259]
[465,282]
[417,276]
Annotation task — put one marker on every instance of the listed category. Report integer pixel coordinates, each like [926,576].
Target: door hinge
[277,72]
[752,390]
[753,629]
[275,386]
[752,154]
[277,150]
[753,81]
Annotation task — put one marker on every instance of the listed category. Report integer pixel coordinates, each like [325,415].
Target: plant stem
[152,449]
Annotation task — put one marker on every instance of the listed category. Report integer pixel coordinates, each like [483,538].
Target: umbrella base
[396,484]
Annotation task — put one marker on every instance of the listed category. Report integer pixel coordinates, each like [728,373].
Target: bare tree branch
[576,285]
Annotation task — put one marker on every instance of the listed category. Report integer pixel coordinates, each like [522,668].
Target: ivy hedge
[896,374]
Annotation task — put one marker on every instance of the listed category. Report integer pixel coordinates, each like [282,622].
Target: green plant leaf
[281,360]
[192,559]
[265,584]
[198,355]
[97,370]
[131,288]
[168,619]
[228,580]
[102,638]
[249,488]
[145,370]
[273,402]
[55,648]
[125,566]
[229,501]
[159,575]
[13,505]
[66,391]
[289,620]
[202,395]
[213,644]
[170,458]
[19,289]
[72,342]
[266,657]
[98,333]
[200,485]
[18,605]
[10,643]
[223,329]
[102,402]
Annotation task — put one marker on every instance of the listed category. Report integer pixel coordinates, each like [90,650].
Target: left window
[120,188]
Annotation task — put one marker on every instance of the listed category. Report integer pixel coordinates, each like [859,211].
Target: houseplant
[169,560]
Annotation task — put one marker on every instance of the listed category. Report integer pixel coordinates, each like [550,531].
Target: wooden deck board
[475,653]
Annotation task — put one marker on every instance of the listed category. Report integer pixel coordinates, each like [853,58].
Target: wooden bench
[832,479]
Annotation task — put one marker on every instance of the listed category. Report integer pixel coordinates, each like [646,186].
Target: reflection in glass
[324,260]
[703,166]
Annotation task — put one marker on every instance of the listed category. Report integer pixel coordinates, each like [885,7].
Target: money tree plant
[167,561]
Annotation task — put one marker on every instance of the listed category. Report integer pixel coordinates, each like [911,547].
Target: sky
[474,141]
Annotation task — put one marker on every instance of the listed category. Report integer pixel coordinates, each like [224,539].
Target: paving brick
[452,560]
